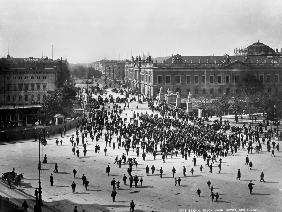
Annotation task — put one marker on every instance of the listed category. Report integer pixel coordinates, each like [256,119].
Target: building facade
[212,76]
[23,84]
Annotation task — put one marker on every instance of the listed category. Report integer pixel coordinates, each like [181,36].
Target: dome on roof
[259,49]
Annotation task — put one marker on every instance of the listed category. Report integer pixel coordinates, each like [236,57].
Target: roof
[257,49]
[15,107]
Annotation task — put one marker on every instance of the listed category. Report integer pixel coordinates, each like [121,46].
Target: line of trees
[83,72]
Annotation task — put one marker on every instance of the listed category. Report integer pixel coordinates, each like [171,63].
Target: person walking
[261,177]
[173,171]
[74,173]
[124,179]
[161,172]
[73,186]
[51,180]
[238,175]
[108,169]
[25,205]
[199,192]
[113,195]
[132,206]
[251,187]
[141,181]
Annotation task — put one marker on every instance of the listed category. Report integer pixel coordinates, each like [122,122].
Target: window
[32,98]
[38,77]
[220,90]
[26,98]
[8,98]
[32,77]
[261,78]
[269,90]
[20,87]
[227,79]
[196,79]
[188,90]
[44,77]
[44,86]
[227,90]
[211,79]
[188,79]
[32,86]
[268,78]
[9,87]
[38,97]
[20,77]
[236,79]
[178,79]
[218,79]
[149,79]
[14,98]
[237,91]
[203,79]
[38,86]
[25,77]
[20,98]
[160,79]
[167,79]
[196,91]
[204,91]
[276,78]
[25,87]
[211,91]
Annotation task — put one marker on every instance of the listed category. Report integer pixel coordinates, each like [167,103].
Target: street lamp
[39,202]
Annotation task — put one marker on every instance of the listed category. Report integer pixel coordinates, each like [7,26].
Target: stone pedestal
[200,112]
[189,107]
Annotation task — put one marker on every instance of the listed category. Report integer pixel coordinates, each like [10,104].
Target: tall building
[23,84]
[257,66]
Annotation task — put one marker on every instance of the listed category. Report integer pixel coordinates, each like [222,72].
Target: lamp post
[39,202]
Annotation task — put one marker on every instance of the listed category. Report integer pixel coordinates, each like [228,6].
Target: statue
[161,90]
[189,97]
[168,91]
[177,94]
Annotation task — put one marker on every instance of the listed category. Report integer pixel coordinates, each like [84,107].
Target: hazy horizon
[90,30]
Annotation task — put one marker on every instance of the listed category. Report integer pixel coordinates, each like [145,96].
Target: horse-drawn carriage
[12,177]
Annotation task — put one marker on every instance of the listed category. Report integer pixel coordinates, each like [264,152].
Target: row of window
[146,78]
[211,91]
[26,98]
[26,87]
[26,77]
[212,79]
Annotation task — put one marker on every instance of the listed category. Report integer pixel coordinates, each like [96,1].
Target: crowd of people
[165,133]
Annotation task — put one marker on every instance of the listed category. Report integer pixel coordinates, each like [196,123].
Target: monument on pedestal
[161,96]
[178,100]
[189,103]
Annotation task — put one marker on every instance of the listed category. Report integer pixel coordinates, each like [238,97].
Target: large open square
[156,194]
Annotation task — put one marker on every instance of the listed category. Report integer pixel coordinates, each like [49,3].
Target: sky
[89,30]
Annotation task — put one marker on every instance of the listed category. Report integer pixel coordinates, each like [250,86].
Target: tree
[221,105]
[59,101]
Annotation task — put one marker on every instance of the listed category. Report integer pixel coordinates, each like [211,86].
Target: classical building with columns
[258,65]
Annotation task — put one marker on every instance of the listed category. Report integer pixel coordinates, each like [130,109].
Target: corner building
[210,76]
